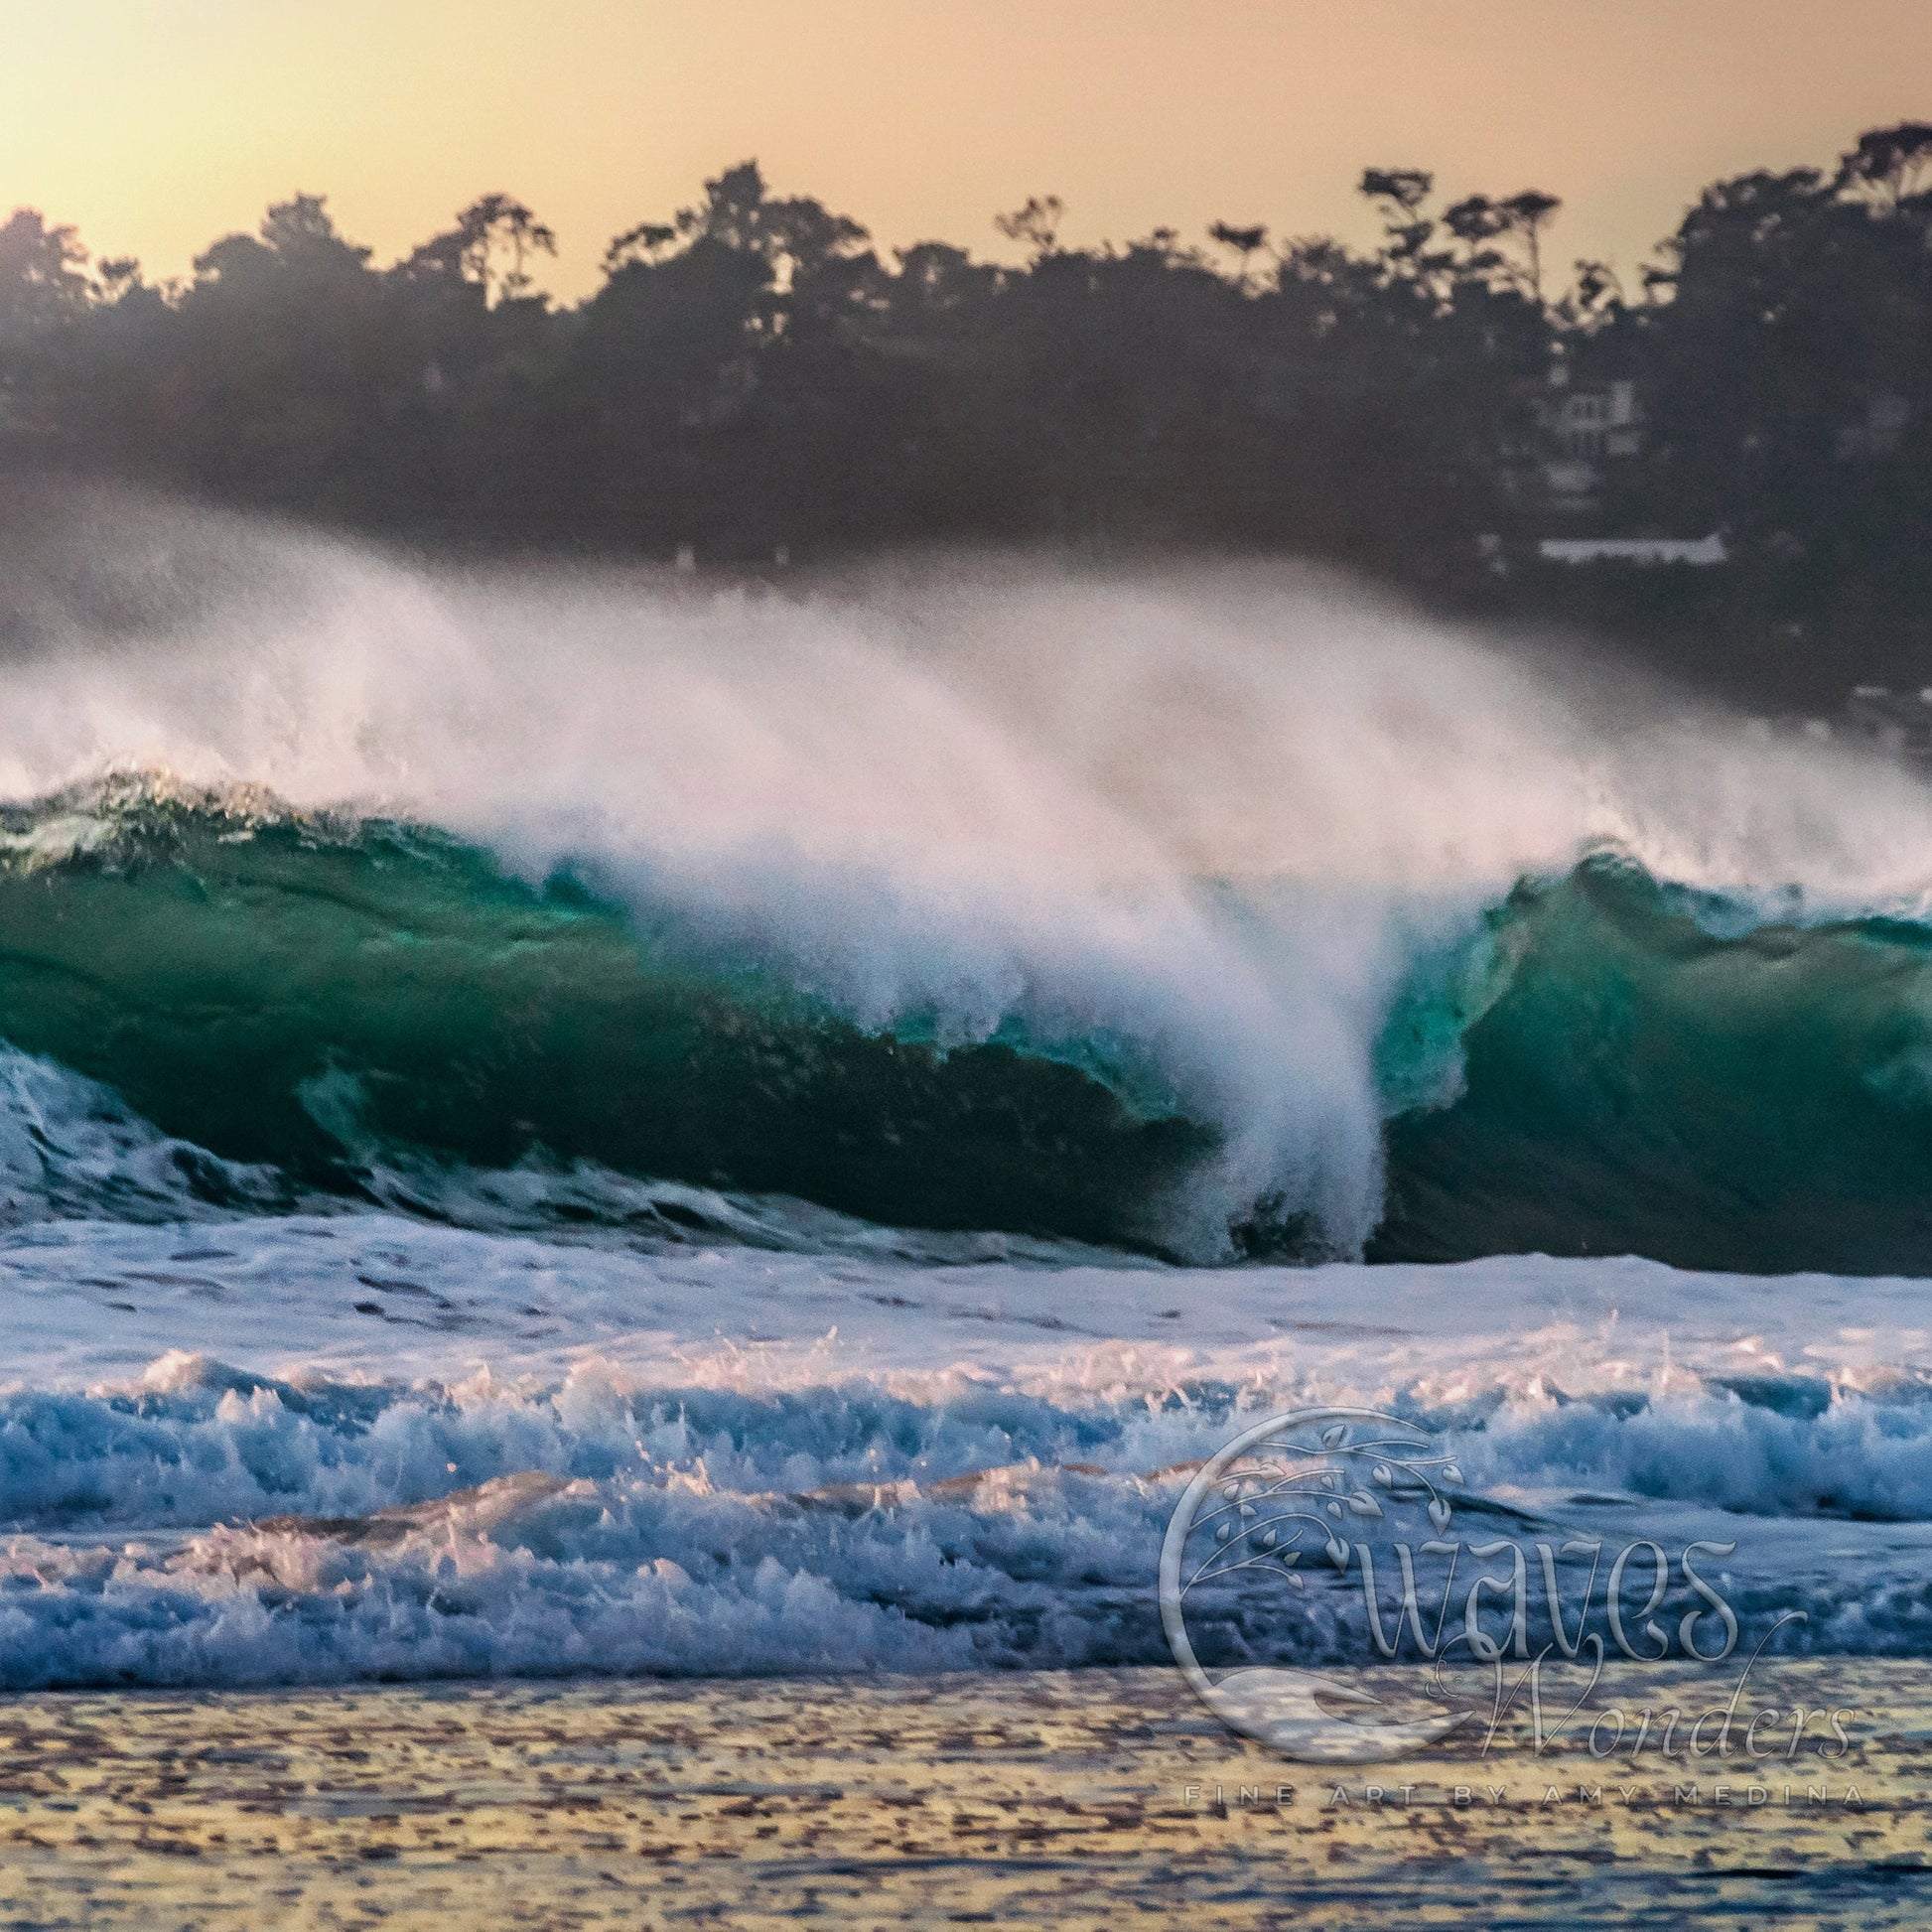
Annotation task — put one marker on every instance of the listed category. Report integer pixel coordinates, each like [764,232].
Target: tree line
[754,378]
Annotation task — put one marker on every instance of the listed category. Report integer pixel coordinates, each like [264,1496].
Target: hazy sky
[159,124]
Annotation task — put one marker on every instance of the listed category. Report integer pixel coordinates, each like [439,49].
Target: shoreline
[1091,1798]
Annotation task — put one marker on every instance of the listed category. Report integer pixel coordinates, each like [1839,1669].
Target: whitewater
[563,1120]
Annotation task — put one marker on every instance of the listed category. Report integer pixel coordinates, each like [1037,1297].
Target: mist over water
[1025,723]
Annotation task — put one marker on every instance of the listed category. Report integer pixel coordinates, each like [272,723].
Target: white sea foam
[69,1146]
[252,1448]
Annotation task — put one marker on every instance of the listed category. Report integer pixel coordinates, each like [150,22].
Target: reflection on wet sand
[1076,1799]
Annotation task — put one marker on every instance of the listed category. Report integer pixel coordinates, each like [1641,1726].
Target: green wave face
[1658,1076]
[284,992]
[1611,1064]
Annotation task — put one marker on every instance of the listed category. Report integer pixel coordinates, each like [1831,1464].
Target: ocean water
[551,1122]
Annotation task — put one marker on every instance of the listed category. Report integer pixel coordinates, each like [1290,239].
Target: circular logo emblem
[1293,1499]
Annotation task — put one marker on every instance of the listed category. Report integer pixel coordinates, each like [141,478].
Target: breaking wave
[266,1007]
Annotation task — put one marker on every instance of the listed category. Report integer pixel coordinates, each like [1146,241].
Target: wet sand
[1090,1799]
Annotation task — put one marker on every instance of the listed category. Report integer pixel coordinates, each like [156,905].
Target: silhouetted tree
[1889,166]
[1036,223]
[1401,193]
[489,247]
[1242,243]
[43,282]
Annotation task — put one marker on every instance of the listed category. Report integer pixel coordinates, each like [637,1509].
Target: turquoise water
[1601,1063]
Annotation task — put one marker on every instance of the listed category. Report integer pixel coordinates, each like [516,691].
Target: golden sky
[158,125]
